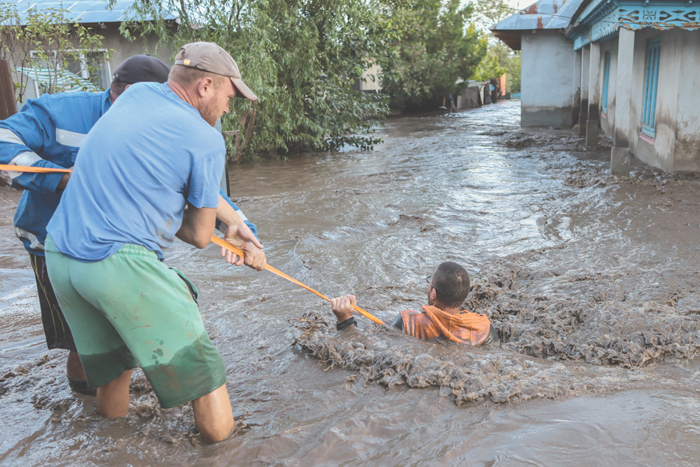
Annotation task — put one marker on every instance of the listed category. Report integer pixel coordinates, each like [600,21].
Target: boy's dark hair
[451,283]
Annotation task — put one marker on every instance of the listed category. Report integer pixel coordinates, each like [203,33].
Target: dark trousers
[56,330]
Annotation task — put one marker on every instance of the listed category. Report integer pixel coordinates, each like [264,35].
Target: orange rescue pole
[38,170]
[222,243]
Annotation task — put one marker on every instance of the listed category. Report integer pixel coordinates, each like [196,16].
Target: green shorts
[132,309]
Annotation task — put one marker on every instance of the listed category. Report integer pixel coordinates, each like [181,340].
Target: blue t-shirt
[134,172]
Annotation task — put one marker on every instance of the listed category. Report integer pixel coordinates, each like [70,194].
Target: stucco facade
[546,92]
[675,145]
[630,69]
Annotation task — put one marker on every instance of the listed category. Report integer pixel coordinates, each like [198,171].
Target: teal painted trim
[651,82]
[606,82]
[666,16]
[602,20]
[605,27]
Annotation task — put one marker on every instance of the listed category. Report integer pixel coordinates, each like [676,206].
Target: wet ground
[590,280]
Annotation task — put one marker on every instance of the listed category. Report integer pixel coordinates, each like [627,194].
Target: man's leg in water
[213,415]
[74,368]
[113,397]
[147,313]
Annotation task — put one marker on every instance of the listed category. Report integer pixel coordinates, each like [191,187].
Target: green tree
[510,60]
[45,39]
[431,44]
[489,68]
[301,57]
[513,77]
[491,12]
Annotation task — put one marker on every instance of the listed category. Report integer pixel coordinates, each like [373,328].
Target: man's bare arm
[197,226]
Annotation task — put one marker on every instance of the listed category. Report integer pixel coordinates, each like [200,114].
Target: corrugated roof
[62,80]
[82,11]
[544,14]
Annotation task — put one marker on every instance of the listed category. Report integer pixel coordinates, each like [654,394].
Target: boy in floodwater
[448,287]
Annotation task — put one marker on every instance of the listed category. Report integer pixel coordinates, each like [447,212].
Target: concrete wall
[676,143]
[607,119]
[124,49]
[687,143]
[547,79]
[470,98]
[659,152]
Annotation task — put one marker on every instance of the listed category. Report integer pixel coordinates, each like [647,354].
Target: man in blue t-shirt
[147,172]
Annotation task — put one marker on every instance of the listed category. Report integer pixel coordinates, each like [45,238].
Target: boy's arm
[342,309]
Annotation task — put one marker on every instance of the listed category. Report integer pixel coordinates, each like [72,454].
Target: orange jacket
[465,327]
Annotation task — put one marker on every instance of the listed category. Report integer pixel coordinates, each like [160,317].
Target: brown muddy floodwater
[591,281]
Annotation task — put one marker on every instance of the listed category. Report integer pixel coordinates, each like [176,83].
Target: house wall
[660,152]
[546,79]
[676,143]
[607,119]
[576,98]
[371,78]
[687,141]
[122,49]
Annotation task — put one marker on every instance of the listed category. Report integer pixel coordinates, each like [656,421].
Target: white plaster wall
[576,96]
[123,49]
[607,120]
[547,79]
[372,77]
[661,152]
[687,144]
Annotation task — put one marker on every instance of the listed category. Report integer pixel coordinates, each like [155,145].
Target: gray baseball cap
[207,56]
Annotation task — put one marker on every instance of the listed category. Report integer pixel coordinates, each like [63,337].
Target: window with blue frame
[606,81]
[651,81]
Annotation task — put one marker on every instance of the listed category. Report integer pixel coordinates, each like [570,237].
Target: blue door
[651,82]
[606,81]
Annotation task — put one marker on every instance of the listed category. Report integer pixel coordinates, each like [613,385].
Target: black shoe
[81,386]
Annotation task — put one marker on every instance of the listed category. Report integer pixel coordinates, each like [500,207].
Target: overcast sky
[520,4]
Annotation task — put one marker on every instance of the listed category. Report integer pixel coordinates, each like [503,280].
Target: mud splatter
[546,304]
[463,374]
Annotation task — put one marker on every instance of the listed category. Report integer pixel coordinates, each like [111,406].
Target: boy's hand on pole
[343,307]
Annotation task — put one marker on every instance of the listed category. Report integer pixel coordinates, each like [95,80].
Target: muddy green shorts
[131,309]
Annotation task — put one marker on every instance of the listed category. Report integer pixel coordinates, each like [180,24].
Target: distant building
[548,94]
[371,79]
[632,66]
[94,14]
